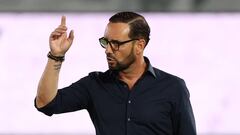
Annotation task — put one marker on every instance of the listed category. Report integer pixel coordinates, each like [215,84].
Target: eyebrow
[113,40]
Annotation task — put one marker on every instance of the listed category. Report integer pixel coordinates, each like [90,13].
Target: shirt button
[125,85]
[129,101]
[128,119]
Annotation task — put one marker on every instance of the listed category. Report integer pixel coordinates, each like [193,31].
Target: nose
[108,49]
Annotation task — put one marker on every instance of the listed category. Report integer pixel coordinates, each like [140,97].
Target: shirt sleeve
[184,117]
[72,98]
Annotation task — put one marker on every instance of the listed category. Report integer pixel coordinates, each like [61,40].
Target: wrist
[55,58]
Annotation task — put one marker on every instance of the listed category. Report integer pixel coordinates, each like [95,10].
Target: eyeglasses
[114,44]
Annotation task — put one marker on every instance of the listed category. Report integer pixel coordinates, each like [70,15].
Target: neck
[134,72]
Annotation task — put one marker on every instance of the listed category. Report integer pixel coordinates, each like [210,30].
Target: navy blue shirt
[158,104]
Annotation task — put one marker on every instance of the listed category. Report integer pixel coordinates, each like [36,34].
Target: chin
[113,68]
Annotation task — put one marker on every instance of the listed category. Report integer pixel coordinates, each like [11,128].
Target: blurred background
[197,40]
[116,5]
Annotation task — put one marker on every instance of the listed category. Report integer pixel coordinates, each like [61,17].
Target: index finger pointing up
[63,21]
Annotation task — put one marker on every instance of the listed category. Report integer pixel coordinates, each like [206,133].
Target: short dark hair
[138,25]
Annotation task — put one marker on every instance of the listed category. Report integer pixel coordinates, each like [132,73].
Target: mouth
[110,59]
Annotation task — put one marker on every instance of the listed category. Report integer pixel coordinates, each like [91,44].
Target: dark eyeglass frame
[114,44]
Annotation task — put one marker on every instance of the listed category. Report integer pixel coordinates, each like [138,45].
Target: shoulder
[173,82]
[165,75]
[99,74]
[91,79]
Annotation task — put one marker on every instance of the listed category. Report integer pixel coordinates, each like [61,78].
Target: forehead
[117,31]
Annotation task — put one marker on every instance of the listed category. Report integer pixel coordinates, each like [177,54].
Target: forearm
[59,44]
[48,84]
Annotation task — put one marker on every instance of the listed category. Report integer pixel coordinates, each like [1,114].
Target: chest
[142,104]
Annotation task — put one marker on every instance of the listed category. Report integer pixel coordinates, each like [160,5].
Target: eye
[115,42]
[104,41]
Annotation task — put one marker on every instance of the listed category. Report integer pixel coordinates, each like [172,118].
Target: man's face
[124,57]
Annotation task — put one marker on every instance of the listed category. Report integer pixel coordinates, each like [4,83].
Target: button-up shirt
[158,103]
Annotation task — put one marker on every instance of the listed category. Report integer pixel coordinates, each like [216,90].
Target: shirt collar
[149,67]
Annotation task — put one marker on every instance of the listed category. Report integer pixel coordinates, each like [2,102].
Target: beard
[117,65]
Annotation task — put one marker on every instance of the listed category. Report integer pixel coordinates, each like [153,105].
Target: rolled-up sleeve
[72,98]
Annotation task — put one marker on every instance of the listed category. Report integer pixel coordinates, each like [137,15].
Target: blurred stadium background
[197,40]
[116,5]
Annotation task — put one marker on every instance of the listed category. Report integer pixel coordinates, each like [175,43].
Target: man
[131,98]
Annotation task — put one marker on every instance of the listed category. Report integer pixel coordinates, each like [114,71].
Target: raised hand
[59,41]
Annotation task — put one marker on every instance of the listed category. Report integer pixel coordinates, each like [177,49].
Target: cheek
[119,56]
[119,53]
[123,54]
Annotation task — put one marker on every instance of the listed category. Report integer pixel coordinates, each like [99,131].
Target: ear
[140,46]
